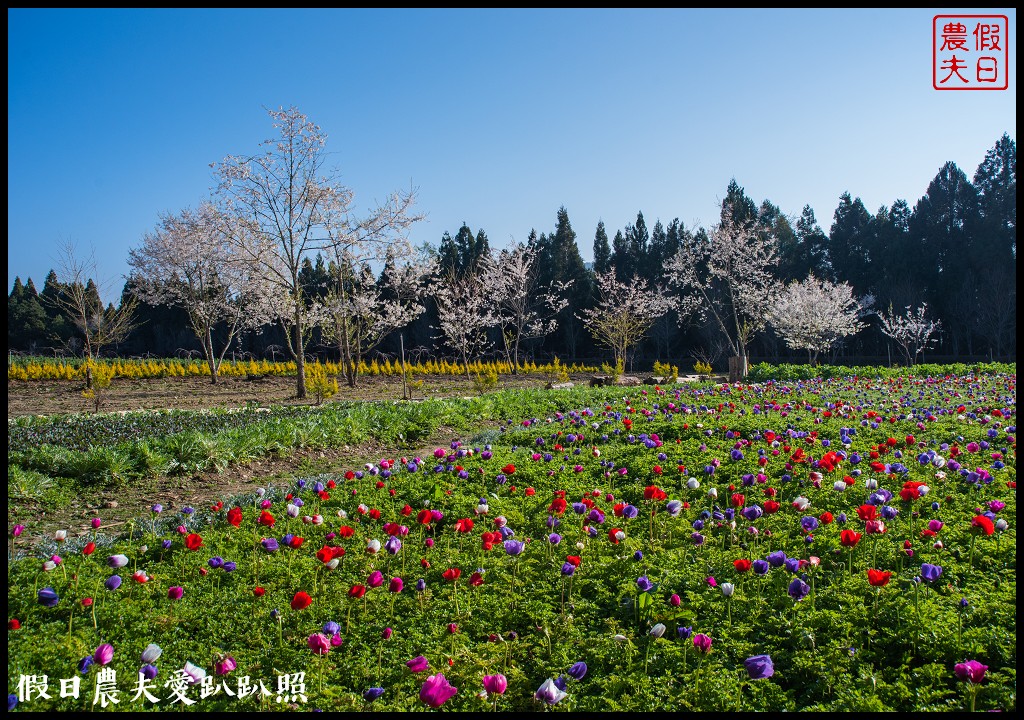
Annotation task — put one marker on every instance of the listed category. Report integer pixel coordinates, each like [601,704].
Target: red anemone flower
[867,512]
[653,492]
[982,524]
[849,538]
[878,578]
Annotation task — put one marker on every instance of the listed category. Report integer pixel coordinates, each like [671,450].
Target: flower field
[841,544]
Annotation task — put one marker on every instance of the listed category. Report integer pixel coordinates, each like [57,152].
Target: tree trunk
[300,358]
[737,368]
[515,357]
[211,359]
[346,353]
[88,363]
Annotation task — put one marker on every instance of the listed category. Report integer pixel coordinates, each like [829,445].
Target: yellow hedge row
[46,369]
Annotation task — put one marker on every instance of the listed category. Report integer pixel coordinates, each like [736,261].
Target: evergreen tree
[51,289]
[996,255]
[812,243]
[772,222]
[448,256]
[481,248]
[14,307]
[737,207]
[897,268]
[665,243]
[849,244]
[944,228]
[462,253]
[996,184]
[17,292]
[26,319]
[656,257]
[560,256]
[466,245]
[602,250]
[637,239]
[61,330]
[622,262]
[675,235]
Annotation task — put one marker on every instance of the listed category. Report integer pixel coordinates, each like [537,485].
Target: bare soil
[194,393]
[117,507]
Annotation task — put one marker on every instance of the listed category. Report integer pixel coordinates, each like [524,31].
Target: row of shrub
[763,372]
[36,368]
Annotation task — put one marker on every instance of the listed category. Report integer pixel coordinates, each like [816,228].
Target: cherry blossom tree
[525,310]
[466,309]
[361,310]
[912,330]
[185,262]
[813,315]
[624,313]
[79,299]
[284,206]
[727,279]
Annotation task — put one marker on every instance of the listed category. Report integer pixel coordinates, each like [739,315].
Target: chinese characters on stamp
[970,52]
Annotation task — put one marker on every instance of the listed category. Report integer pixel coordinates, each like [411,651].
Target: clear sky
[498,117]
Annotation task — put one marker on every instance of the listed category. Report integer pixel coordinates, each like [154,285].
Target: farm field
[840,544]
[46,397]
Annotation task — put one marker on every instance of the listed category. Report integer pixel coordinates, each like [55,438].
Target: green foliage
[846,647]
[764,372]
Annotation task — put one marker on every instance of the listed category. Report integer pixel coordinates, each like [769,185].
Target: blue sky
[498,117]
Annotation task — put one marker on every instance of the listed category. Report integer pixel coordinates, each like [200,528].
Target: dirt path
[118,506]
[202,490]
[65,396]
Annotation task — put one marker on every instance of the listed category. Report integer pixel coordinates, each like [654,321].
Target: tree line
[276,264]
